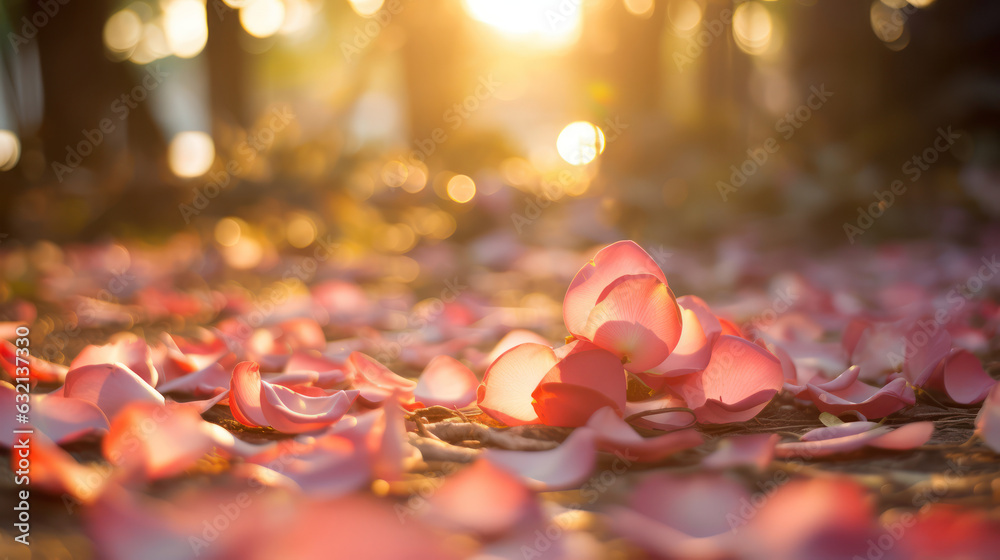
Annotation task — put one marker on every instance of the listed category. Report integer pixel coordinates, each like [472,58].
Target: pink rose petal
[446,382]
[637,319]
[753,450]
[291,412]
[741,378]
[609,264]
[505,393]
[561,468]
[962,377]
[110,386]
[502,502]
[614,435]
[847,393]
[588,378]
[133,352]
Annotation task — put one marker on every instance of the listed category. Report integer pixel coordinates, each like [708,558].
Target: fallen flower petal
[847,393]
[561,468]
[614,435]
[505,393]
[110,386]
[446,382]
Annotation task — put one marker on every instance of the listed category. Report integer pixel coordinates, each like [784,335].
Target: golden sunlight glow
[542,23]
[752,27]
[262,18]
[191,154]
[580,142]
[228,231]
[366,8]
[10,150]
[461,188]
[122,31]
[152,46]
[301,231]
[684,15]
[640,8]
[185,27]
[246,253]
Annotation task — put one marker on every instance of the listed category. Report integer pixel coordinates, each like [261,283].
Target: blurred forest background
[395,123]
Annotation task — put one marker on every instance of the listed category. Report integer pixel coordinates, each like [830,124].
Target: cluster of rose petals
[624,318]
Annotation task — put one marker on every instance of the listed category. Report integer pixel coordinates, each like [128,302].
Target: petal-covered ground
[608,418]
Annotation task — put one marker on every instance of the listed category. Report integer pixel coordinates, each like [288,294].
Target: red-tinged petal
[708,320]
[155,441]
[578,385]
[741,378]
[514,338]
[846,393]
[361,365]
[502,501]
[110,386]
[688,517]
[962,377]
[292,412]
[387,444]
[300,334]
[662,421]
[505,393]
[729,328]
[692,352]
[446,382]
[948,531]
[38,369]
[637,319]
[609,264]
[133,352]
[55,471]
[823,447]
[988,420]
[66,419]
[852,334]
[754,450]
[561,468]
[614,435]
[245,397]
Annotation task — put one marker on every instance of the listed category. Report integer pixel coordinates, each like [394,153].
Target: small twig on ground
[453,431]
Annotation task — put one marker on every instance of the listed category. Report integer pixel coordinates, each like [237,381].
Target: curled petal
[583,382]
[610,263]
[962,377]
[446,382]
[846,393]
[561,468]
[505,393]
[692,352]
[514,338]
[207,381]
[244,396]
[637,319]
[66,419]
[291,412]
[741,378]
[375,381]
[110,386]
[664,420]
[133,352]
